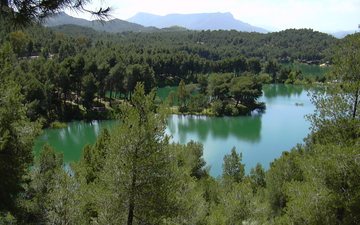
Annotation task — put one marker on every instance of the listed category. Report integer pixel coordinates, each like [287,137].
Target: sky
[273,15]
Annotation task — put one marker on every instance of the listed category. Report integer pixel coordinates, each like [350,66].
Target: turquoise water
[260,137]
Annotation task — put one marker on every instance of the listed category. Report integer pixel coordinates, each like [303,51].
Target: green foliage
[139,176]
[7,59]
[234,206]
[318,183]
[18,40]
[282,170]
[245,90]
[234,96]
[197,103]
[7,219]
[63,206]
[254,65]
[233,169]
[58,125]
[47,167]
[264,78]
[231,110]
[171,99]
[90,86]
[257,177]
[139,73]
[115,80]
[219,85]
[24,13]
[338,105]
[132,174]
[347,72]
[94,157]
[16,139]
[54,69]
[217,107]
[182,96]
[272,68]
[309,204]
[191,157]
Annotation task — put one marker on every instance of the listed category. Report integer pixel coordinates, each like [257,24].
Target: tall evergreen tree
[233,169]
[16,140]
[138,178]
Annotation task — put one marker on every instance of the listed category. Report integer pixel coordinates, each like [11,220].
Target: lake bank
[260,137]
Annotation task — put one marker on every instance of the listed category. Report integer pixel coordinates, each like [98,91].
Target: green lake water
[309,70]
[260,137]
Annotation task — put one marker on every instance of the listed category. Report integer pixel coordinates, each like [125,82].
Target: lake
[309,70]
[260,137]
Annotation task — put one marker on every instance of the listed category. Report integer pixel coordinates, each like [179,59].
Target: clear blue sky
[322,15]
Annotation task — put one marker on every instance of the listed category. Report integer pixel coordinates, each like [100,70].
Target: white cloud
[323,15]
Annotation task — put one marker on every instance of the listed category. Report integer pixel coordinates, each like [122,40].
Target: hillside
[288,45]
[112,26]
[200,21]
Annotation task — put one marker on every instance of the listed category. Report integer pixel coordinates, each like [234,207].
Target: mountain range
[113,26]
[145,22]
[199,21]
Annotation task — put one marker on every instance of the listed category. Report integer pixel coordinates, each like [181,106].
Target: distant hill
[112,26]
[174,29]
[201,21]
[76,30]
[342,34]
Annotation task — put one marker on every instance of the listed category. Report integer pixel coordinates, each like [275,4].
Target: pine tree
[233,169]
[138,180]
[182,95]
[16,140]
[23,12]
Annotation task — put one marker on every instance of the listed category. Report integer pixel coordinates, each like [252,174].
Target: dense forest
[133,174]
[77,73]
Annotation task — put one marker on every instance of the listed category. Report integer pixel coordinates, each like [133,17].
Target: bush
[231,110]
[217,108]
[197,103]
[183,109]
[58,125]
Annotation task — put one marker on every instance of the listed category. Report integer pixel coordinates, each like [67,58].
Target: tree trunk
[132,191]
[111,96]
[131,205]
[356,102]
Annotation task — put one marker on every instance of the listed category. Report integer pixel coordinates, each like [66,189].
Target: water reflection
[282,90]
[72,139]
[245,128]
[260,138]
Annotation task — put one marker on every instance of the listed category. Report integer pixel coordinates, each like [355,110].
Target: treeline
[284,46]
[78,77]
[218,95]
[134,175]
